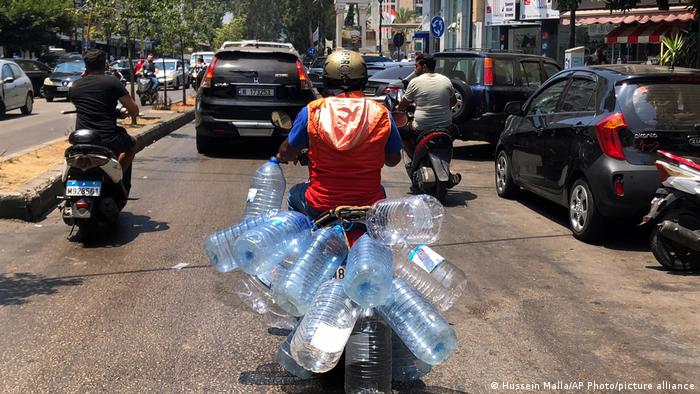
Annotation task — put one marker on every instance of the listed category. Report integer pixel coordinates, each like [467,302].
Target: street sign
[311,52]
[399,39]
[437,26]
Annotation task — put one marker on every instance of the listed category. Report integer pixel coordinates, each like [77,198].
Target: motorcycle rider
[200,68]
[95,97]
[150,70]
[350,139]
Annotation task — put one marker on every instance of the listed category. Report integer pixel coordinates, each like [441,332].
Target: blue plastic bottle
[266,190]
[368,273]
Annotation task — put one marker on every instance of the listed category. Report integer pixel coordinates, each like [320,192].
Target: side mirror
[514,108]
[8,80]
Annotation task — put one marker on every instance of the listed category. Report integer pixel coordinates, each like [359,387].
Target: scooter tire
[87,230]
[669,254]
[441,191]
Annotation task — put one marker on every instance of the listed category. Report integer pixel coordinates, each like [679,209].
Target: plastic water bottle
[451,277]
[368,356]
[368,273]
[254,292]
[404,365]
[321,337]
[284,358]
[266,189]
[419,325]
[407,220]
[326,252]
[422,281]
[262,248]
[219,245]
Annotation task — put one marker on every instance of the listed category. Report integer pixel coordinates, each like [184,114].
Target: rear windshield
[394,73]
[73,67]
[469,69]
[660,106]
[267,67]
[376,59]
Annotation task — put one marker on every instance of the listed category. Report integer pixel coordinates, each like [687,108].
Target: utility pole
[379,33]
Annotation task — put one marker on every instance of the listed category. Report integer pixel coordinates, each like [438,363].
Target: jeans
[296,201]
[155,84]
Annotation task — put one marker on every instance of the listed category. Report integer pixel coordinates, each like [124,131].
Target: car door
[23,84]
[573,115]
[9,90]
[527,160]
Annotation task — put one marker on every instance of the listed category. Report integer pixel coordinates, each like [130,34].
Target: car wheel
[28,105]
[505,186]
[585,221]
[49,98]
[461,110]
[671,255]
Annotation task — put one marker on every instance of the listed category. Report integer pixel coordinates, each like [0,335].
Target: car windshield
[467,69]
[662,106]
[318,63]
[376,59]
[72,67]
[169,65]
[394,73]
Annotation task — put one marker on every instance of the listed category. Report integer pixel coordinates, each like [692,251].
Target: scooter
[675,211]
[145,90]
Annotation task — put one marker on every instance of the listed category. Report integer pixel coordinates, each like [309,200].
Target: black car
[36,71]
[245,89]
[587,139]
[61,79]
[391,78]
[485,81]
[53,59]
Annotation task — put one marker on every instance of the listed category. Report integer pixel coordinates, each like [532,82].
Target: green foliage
[28,24]
[350,17]
[232,31]
[405,15]
[680,51]
[302,18]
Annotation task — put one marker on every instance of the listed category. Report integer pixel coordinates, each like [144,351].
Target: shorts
[119,142]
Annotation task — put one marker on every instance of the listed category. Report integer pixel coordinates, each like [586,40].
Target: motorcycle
[675,211]
[428,167]
[96,187]
[145,90]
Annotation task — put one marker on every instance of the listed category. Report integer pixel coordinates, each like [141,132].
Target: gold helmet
[345,68]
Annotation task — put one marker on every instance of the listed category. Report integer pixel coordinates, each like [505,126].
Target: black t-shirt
[150,66]
[95,97]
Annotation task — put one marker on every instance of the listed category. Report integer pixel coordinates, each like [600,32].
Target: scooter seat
[85,136]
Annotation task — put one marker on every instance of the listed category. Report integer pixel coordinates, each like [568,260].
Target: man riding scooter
[350,139]
[150,70]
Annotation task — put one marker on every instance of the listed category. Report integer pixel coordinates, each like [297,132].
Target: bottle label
[329,339]
[252,192]
[426,258]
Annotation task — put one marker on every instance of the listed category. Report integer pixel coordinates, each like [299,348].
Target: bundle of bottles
[384,312]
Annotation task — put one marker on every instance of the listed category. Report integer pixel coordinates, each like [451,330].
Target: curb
[39,196]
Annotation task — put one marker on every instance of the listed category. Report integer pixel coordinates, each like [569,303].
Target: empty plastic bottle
[266,189]
[410,220]
[255,293]
[422,281]
[451,277]
[404,365]
[321,337]
[284,358]
[419,325]
[262,248]
[296,289]
[219,245]
[368,273]
[368,356]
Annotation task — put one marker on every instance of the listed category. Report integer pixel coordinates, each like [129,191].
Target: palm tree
[405,15]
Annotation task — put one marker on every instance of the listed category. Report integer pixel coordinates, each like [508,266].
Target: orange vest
[347,138]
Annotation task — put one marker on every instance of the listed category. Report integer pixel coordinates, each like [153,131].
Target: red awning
[638,15]
[640,34]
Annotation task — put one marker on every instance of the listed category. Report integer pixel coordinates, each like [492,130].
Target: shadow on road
[15,289]
[674,273]
[246,149]
[456,198]
[480,152]
[128,228]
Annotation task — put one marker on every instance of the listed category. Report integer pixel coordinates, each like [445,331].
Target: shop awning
[640,34]
[639,15]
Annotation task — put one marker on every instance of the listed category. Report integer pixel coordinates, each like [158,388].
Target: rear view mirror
[514,108]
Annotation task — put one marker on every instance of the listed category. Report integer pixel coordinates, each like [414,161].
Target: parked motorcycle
[675,211]
[145,90]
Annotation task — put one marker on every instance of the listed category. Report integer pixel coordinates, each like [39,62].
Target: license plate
[62,88]
[370,91]
[83,188]
[256,92]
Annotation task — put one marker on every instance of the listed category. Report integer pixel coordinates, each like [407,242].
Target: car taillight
[608,132]
[303,78]
[619,185]
[488,71]
[206,82]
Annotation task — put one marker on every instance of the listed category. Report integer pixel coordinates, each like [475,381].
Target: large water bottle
[408,220]
[368,273]
[262,248]
[419,325]
[422,281]
[266,189]
[321,337]
[325,253]
[451,277]
[284,358]
[219,245]
[368,356]
[404,365]
[254,292]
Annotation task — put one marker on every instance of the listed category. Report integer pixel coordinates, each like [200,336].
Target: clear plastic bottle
[219,245]
[408,220]
[419,325]
[326,252]
[266,189]
[422,281]
[451,277]
[405,367]
[368,273]
[368,356]
[254,292]
[321,337]
[284,358]
[262,248]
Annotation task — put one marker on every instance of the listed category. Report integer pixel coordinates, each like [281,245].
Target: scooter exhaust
[681,235]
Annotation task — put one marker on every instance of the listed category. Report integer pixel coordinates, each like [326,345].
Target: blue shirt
[299,135]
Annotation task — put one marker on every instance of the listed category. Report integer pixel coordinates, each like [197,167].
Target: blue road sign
[437,26]
[311,52]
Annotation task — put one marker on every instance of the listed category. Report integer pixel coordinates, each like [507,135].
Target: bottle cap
[274,159]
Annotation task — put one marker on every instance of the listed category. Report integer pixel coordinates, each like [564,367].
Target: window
[6,72]
[17,71]
[468,69]
[546,101]
[660,105]
[28,66]
[531,74]
[550,69]
[503,72]
[580,97]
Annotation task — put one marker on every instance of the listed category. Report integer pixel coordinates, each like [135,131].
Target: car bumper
[54,91]
[640,184]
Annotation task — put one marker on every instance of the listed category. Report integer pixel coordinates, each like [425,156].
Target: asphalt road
[539,307]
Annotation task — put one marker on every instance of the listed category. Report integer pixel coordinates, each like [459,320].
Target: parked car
[376,63]
[587,140]
[391,78]
[54,58]
[485,81]
[123,67]
[58,83]
[243,89]
[174,74]
[36,71]
[207,56]
[15,89]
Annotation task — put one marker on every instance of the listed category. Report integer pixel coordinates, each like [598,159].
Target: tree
[571,6]
[29,24]
[350,17]
[232,31]
[405,15]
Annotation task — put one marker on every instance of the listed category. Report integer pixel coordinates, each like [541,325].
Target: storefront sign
[499,12]
[537,10]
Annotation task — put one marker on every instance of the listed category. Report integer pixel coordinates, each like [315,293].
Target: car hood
[65,76]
